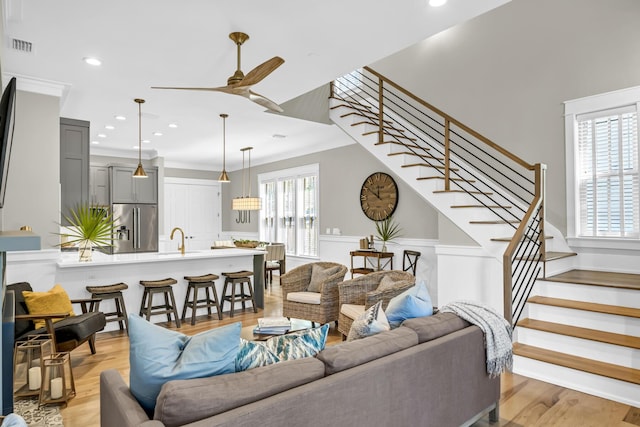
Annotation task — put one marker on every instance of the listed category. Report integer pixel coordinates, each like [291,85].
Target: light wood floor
[524,401]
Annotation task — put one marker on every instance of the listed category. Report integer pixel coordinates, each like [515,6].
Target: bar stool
[196,283]
[152,287]
[238,278]
[113,292]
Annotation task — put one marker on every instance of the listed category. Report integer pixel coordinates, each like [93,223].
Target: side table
[373,261]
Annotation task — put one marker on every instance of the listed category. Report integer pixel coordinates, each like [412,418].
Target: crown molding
[40,86]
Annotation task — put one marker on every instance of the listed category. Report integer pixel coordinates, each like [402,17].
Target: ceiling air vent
[22,45]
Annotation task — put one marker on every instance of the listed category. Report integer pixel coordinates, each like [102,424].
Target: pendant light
[223,175]
[245,204]
[139,173]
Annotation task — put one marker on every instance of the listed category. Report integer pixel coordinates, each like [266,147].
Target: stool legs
[194,303]
[120,313]
[239,295]
[169,307]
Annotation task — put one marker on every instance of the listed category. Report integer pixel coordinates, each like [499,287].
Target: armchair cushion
[352,311]
[305,297]
[52,301]
[319,275]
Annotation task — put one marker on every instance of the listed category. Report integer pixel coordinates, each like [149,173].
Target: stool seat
[202,279]
[164,287]
[238,274]
[158,283]
[114,292]
[107,289]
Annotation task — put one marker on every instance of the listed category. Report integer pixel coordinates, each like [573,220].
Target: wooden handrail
[462,126]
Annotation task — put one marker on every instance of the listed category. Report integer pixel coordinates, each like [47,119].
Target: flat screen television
[7,119]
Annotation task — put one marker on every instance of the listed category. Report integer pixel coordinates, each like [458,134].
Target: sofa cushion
[414,302]
[319,275]
[205,397]
[371,322]
[346,355]
[158,355]
[55,300]
[432,327]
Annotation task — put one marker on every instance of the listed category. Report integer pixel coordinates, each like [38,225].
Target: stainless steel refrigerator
[136,228]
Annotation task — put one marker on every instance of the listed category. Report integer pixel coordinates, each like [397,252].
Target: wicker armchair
[297,280]
[362,291]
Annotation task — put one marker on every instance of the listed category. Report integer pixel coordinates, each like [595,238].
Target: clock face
[379,196]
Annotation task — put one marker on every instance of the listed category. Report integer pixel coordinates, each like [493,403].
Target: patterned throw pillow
[371,322]
[412,303]
[158,355]
[319,275]
[295,345]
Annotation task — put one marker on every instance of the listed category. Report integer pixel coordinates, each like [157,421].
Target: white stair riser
[596,294]
[616,390]
[609,353]
[585,319]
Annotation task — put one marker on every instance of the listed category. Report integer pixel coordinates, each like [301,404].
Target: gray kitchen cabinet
[99,185]
[127,189]
[74,164]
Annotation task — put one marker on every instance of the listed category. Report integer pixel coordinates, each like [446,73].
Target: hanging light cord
[140,132]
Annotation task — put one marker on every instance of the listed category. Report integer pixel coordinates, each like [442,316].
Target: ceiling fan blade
[227,89]
[265,102]
[261,71]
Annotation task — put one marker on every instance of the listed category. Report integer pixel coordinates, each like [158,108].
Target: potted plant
[89,226]
[387,230]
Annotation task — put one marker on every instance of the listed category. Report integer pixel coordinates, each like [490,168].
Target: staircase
[498,200]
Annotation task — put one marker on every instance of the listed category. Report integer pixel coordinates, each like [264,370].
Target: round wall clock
[379,196]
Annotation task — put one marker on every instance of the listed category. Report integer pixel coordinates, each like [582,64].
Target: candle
[56,388]
[35,377]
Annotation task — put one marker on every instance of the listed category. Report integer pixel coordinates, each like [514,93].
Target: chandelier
[245,204]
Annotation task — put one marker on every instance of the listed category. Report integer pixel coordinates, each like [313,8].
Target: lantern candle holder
[28,364]
[57,379]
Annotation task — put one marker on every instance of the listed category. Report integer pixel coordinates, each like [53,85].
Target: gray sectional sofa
[431,371]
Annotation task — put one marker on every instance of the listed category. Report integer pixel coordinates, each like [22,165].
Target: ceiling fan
[239,84]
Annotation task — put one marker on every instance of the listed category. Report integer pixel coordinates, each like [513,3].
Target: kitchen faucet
[180,248]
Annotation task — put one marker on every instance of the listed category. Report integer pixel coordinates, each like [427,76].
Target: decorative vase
[85,251]
[384,247]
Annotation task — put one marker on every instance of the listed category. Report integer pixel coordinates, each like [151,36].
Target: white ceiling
[145,43]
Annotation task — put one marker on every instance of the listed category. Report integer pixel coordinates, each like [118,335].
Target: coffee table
[296,326]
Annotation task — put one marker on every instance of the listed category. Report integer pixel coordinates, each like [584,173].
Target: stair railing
[467,162]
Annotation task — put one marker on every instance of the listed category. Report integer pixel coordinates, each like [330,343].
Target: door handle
[138,227]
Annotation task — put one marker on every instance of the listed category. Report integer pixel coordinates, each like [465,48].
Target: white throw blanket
[497,333]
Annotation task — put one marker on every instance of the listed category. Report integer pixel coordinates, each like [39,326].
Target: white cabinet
[194,206]
[127,189]
[99,185]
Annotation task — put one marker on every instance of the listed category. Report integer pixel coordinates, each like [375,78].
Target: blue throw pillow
[414,302]
[253,354]
[158,355]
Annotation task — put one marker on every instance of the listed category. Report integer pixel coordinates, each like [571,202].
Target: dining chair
[410,261]
[274,260]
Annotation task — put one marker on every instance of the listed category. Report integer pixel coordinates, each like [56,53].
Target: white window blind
[607,173]
[290,209]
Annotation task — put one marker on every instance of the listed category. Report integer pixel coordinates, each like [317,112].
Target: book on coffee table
[272,325]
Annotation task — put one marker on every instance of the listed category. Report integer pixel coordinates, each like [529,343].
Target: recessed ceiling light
[279,135]
[146,141]
[95,142]
[135,147]
[92,61]
[110,127]
[437,3]
[102,135]
[120,117]
[157,134]
[173,125]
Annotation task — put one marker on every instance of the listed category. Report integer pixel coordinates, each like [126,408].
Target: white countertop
[70,259]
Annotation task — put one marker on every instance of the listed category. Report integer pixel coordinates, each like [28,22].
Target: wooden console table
[373,261]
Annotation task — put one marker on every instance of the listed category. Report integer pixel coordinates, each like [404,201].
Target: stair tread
[390,134]
[552,255]
[598,278]
[387,125]
[442,177]
[482,206]
[499,221]
[361,113]
[404,144]
[411,153]
[587,306]
[578,332]
[596,367]
[427,165]
[508,239]
[462,191]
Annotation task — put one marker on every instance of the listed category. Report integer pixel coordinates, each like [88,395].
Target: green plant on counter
[387,230]
[89,226]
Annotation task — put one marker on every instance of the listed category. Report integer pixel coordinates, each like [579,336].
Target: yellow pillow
[54,300]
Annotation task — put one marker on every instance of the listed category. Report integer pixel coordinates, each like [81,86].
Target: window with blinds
[607,173]
[290,209]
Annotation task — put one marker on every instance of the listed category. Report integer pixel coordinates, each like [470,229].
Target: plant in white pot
[89,226]
[387,230]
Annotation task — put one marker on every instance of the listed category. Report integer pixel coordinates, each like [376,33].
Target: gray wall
[342,172]
[508,72]
[33,184]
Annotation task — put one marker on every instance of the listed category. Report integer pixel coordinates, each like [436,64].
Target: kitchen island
[105,269]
